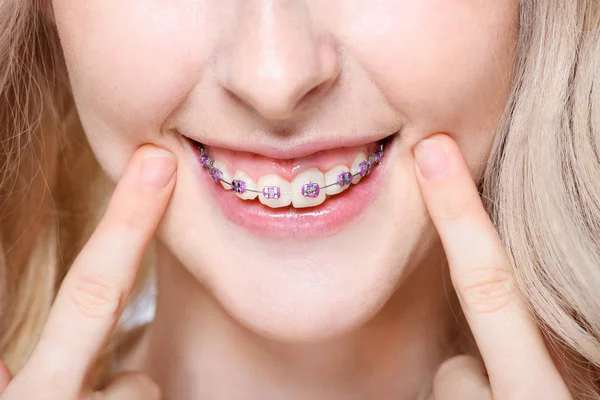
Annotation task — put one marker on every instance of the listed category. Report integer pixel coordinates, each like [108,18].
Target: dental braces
[310,189]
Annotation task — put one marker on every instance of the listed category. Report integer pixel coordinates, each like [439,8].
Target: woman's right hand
[95,291]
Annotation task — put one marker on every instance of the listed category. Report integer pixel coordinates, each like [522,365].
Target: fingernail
[431,159]
[158,168]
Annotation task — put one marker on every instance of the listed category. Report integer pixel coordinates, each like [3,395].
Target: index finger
[94,292]
[507,335]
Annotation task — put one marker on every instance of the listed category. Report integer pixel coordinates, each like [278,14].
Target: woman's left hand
[516,359]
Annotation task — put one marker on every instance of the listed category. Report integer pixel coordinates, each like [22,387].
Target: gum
[257,166]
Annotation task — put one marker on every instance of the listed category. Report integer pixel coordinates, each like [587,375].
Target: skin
[338,322]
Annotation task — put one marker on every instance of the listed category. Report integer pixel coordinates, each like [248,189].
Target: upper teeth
[355,168]
[308,189]
[340,175]
[276,192]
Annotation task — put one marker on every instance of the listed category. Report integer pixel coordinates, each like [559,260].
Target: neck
[195,350]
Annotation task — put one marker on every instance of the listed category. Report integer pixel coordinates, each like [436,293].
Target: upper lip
[289,150]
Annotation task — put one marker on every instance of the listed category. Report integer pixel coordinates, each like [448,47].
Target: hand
[517,361]
[95,291]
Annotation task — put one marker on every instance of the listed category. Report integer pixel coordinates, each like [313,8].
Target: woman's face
[293,88]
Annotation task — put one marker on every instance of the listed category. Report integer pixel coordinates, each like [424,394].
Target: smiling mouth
[299,183]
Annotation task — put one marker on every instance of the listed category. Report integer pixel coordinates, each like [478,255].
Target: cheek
[129,65]
[443,66]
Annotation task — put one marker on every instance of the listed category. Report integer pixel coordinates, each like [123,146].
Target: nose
[276,62]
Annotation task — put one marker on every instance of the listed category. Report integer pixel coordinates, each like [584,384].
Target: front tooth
[275,181]
[331,178]
[312,180]
[224,174]
[360,157]
[250,185]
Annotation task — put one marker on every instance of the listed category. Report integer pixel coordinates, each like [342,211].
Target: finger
[129,386]
[461,377]
[96,288]
[508,337]
[5,377]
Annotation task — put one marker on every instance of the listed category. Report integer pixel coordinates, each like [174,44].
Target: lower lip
[323,220]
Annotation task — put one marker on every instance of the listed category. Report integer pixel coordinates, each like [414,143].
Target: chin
[298,274]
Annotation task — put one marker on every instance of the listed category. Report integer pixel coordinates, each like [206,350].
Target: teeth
[224,174]
[331,177]
[250,185]
[309,188]
[360,157]
[284,198]
[312,180]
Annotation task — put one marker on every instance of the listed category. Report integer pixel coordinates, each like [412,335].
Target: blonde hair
[541,186]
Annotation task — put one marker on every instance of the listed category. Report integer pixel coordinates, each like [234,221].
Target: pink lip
[323,220]
[290,150]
